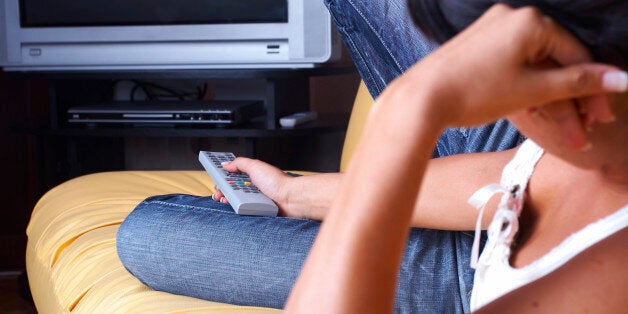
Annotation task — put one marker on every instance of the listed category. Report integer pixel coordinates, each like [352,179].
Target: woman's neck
[615,177]
[562,184]
[561,200]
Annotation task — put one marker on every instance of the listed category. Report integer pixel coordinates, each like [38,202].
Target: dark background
[20,101]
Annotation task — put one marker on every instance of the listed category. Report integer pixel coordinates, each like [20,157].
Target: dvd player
[218,112]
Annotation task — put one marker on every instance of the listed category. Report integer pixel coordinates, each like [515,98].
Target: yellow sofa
[71,259]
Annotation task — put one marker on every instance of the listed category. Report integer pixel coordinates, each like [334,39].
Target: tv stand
[63,146]
[287,90]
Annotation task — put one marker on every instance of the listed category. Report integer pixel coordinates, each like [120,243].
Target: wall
[21,101]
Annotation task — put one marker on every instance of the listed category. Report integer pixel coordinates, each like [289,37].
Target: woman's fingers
[582,92]
[555,43]
[578,81]
[218,196]
[583,86]
[596,108]
[237,165]
[511,59]
[566,116]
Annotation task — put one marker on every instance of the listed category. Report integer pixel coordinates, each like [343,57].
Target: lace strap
[517,172]
[514,181]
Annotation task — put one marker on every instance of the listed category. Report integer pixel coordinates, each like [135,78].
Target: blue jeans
[198,247]
[194,246]
[384,43]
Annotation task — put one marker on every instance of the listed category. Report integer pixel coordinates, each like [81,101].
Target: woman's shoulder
[603,265]
[596,280]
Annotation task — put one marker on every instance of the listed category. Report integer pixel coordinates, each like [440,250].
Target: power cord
[151,91]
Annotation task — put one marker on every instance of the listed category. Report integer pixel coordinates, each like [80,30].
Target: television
[75,35]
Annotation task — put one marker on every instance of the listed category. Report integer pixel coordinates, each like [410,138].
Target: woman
[510,62]
[219,254]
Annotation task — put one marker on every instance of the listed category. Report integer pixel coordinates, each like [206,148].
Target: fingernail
[587,147]
[608,119]
[616,81]
[224,163]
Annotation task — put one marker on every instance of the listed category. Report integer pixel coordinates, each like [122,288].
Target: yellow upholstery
[361,107]
[71,259]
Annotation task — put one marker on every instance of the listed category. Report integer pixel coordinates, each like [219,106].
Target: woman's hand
[511,59]
[269,179]
[307,196]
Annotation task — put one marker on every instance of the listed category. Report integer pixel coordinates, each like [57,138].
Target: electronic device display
[52,35]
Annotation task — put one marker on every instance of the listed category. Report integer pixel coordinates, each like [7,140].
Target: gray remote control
[244,196]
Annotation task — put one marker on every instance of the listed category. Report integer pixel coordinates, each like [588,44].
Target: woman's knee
[145,231]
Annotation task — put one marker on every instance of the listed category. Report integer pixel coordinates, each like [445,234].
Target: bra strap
[514,181]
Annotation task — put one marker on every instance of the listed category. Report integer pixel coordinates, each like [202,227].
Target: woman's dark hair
[601,25]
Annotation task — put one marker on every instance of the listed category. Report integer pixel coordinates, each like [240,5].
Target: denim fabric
[198,247]
[380,37]
[194,246]
[490,138]
[384,43]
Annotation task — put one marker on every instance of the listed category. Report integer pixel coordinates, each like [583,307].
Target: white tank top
[494,277]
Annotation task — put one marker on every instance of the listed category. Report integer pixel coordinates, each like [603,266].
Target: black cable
[150,88]
[202,91]
[166,89]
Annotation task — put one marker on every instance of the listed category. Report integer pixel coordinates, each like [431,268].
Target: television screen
[60,13]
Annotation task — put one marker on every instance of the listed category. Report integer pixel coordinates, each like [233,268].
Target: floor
[14,294]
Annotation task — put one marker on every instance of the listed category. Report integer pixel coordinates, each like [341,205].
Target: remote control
[297,118]
[244,196]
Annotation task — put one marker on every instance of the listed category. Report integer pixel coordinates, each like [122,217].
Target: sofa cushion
[71,259]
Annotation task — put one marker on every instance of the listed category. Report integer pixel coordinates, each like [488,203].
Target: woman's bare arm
[447,185]
[442,204]
[353,263]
